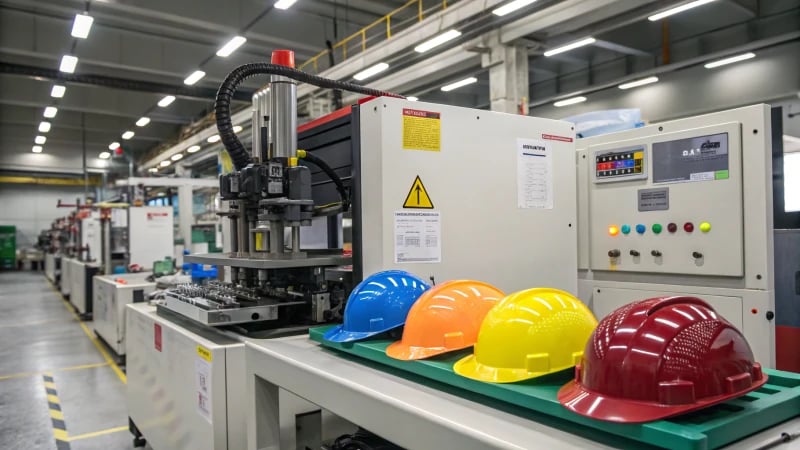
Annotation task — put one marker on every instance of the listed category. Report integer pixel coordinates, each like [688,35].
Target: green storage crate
[8,247]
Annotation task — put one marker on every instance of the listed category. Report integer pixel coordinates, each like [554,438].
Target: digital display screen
[701,158]
[625,163]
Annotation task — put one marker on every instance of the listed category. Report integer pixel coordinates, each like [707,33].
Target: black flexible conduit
[222,107]
[332,175]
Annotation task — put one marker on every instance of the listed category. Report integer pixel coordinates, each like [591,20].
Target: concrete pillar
[508,76]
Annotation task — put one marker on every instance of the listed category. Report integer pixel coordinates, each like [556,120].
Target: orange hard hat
[445,318]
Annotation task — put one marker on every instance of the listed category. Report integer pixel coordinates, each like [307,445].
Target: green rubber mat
[707,429]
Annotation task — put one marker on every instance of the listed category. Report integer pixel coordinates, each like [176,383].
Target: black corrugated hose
[222,107]
[304,155]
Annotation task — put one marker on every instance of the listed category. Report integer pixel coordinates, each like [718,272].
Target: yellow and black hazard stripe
[56,416]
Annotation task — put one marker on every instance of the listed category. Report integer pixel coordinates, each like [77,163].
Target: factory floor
[59,387]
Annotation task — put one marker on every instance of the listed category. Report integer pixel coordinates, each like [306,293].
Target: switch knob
[613,253]
[697,255]
[634,253]
[656,253]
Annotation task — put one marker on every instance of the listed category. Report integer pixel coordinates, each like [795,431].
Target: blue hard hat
[379,303]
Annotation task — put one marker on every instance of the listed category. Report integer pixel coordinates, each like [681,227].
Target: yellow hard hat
[528,334]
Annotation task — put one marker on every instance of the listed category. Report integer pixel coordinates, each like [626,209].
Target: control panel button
[688,227]
[705,227]
[672,228]
[656,228]
[626,229]
[656,253]
[641,229]
[613,230]
[634,253]
[613,253]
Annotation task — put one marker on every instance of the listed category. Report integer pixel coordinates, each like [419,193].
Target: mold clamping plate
[228,316]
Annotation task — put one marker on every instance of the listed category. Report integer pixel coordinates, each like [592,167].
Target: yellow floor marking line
[97,433]
[56,416]
[92,338]
[61,369]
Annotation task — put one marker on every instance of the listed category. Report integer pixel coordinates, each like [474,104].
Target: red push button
[672,228]
[688,227]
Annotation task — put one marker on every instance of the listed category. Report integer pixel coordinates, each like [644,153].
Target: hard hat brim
[339,334]
[405,352]
[469,367]
[591,404]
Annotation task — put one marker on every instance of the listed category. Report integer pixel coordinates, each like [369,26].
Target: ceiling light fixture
[571,46]
[458,84]
[511,7]
[166,101]
[371,71]
[284,4]
[104,155]
[177,156]
[50,112]
[731,60]
[196,76]
[36,149]
[231,46]
[237,128]
[40,140]
[678,9]
[193,149]
[412,99]
[113,146]
[437,41]
[68,63]
[637,83]
[143,122]
[153,169]
[58,91]
[82,25]
[44,127]
[569,101]
[127,135]
[213,139]
[165,163]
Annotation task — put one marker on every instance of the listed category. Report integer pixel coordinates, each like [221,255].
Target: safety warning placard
[418,197]
[422,130]
[417,236]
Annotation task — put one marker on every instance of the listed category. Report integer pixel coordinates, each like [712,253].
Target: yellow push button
[705,227]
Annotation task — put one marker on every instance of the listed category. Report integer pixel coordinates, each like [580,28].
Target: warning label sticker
[418,197]
[422,130]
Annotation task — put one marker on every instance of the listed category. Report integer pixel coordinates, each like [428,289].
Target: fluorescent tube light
[511,7]
[572,46]
[127,135]
[176,156]
[166,101]
[678,9]
[412,99]
[36,149]
[50,112]
[569,101]
[113,146]
[44,127]
[40,140]
[68,63]
[82,25]
[458,84]
[153,169]
[143,122]
[212,139]
[104,155]
[437,41]
[165,163]
[193,149]
[284,4]
[371,71]
[196,76]
[231,46]
[731,60]
[637,83]
[58,91]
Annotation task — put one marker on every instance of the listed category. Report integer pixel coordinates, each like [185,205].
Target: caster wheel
[139,442]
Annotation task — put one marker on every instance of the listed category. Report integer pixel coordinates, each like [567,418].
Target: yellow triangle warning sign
[418,196]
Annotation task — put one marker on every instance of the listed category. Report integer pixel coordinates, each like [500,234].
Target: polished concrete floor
[49,362]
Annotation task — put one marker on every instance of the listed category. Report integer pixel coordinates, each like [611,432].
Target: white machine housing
[65,282]
[477,182]
[112,294]
[80,280]
[714,168]
[151,234]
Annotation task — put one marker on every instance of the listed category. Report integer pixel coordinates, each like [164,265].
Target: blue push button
[641,228]
[626,229]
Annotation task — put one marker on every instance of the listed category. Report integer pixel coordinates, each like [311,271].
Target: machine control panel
[668,203]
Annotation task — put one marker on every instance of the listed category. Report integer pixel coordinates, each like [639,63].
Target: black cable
[222,107]
[333,176]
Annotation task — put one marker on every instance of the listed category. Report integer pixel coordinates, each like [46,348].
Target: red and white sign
[157,336]
[553,137]
[151,215]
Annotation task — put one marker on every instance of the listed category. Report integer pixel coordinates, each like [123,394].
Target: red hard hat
[658,358]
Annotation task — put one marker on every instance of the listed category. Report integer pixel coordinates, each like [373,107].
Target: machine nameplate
[653,199]
[701,158]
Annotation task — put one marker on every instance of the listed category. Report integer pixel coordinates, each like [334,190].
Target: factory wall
[32,208]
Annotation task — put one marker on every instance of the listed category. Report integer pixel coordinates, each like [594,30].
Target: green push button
[657,228]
